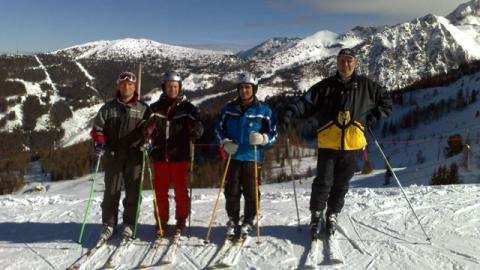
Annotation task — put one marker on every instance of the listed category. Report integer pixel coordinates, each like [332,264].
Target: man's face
[172,88]
[127,89]
[245,91]
[346,65]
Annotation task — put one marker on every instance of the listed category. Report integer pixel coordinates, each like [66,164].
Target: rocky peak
[471,8]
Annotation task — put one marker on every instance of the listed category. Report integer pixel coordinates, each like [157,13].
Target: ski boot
[331,223]
[316,224]
[127,234]
[244,231]
[107,232]
[181,224]
[177,235]
[231,230]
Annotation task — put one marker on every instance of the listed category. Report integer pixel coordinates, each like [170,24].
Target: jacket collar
[168,100]
[353,78]
[237,103]
[347,84]
[131,102]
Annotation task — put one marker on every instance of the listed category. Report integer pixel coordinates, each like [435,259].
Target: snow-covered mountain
[396,56]
[424,47]
[130,48]
[75,80]
[466,13]
[268,48]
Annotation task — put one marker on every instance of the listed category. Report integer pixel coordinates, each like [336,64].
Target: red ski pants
[176,173]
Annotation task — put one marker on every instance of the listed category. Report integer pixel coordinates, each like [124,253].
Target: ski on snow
[334,252]
[87,256]
[117,253]
[149,258]
[316,247]
[229,255]
[171,253]
[325,245]
[220,253]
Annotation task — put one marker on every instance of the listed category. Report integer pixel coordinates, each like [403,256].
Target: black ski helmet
[171,76]
[244,78]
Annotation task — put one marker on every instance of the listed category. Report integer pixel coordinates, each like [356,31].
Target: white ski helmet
[171,76]
[126,76]
[244,78]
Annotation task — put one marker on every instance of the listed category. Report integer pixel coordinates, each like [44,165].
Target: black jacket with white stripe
[178,123]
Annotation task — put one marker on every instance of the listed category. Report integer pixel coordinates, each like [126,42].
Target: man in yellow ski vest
[345,105]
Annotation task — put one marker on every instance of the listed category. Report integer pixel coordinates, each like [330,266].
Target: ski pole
[152,184]
[222,182]
[142,176]
[192,159]
[293,181]
[89,199]
[255,163]
[139,79]
[398,181]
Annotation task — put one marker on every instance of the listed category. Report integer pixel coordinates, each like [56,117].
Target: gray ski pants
[129,165]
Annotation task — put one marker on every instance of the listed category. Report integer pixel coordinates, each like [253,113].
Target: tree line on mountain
[446,176]
[13,161]
[425,114]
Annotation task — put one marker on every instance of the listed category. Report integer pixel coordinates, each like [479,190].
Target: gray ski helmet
[249,78]
[171,76]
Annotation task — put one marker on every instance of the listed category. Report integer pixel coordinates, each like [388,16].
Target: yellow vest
[348,135]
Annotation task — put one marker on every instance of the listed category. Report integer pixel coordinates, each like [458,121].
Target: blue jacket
[236,124]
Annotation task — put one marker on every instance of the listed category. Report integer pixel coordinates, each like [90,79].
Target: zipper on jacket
[344,119]
[167,133]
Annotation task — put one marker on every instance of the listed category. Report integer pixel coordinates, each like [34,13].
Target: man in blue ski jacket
[243,123]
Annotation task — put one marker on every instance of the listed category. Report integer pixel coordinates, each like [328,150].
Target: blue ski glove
[148,146]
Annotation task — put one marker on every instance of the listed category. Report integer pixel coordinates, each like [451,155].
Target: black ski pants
[129,165]
[334,171]
[241,180]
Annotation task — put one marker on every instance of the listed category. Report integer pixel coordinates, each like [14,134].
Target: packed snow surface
[377,229]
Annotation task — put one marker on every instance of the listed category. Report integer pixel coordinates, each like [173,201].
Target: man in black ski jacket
[345,106]
[177,125]
[117,135]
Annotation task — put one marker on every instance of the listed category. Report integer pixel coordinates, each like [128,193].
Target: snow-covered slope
[268,48]
[428,140]
[376,229]
[465,12]
[405,53]
[311,48]
[396,56]
[135,48]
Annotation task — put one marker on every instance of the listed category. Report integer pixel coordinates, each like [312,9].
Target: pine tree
[434,179]
[420,157]
[473,97]
[453,174]
[455,145]
[461,102]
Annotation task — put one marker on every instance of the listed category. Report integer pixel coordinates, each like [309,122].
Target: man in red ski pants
[176,125]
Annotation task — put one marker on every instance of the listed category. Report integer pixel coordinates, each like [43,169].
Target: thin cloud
[386,7]
[306,21]
[341,23]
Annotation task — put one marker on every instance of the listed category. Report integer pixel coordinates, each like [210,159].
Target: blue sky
[46,25]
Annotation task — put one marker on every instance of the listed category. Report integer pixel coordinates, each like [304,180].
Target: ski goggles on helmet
[126,76]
